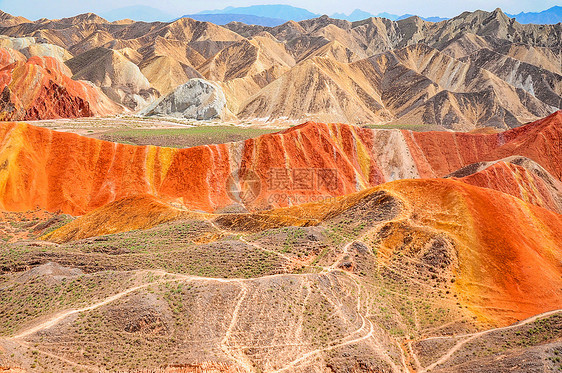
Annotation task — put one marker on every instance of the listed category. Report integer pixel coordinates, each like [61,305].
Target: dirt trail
[243,239]
[61,316]
[225,346]
[473,336]
[319,350]
[171,277]
[346,341]
[61,358]
[365,331]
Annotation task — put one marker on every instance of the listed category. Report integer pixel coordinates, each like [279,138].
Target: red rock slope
[517,176]
[64,171]
[438,153]
[500,242]
[40,88]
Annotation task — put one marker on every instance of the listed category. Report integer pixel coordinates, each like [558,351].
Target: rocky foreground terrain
[430,252]
[479,69]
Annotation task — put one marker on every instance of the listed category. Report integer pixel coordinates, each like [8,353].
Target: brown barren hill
[371,71]
[7,19]
[119,78]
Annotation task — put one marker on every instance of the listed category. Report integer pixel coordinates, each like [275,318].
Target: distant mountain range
[285,12]
[274,15]
[223,19]
[358,15]
[138,13]
[549,16]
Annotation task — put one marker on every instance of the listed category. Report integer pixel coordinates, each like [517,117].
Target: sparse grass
[187,247]
[295,242]
[169,322]
[184,137]
[24,300]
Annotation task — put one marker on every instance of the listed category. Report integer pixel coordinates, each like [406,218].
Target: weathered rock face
[119,78]
[30,47]
[301,164]
[40,89]
[16,43]
[7,20]
[415,84]
[400,75]
[47,50]
[197,99]
[437,152]
[518,176]
[51,101]
[539,82]
[166,74]
[9,56]
[46,99]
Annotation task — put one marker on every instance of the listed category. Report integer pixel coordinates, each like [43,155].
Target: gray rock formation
[197,99]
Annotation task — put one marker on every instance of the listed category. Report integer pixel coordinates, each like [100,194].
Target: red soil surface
[508,251]
[53,170]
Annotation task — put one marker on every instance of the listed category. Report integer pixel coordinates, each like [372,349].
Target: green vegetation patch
[184,137]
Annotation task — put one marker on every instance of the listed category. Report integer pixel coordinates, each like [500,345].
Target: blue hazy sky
[34,9]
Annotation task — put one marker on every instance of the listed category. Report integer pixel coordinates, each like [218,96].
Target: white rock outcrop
[197,99]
